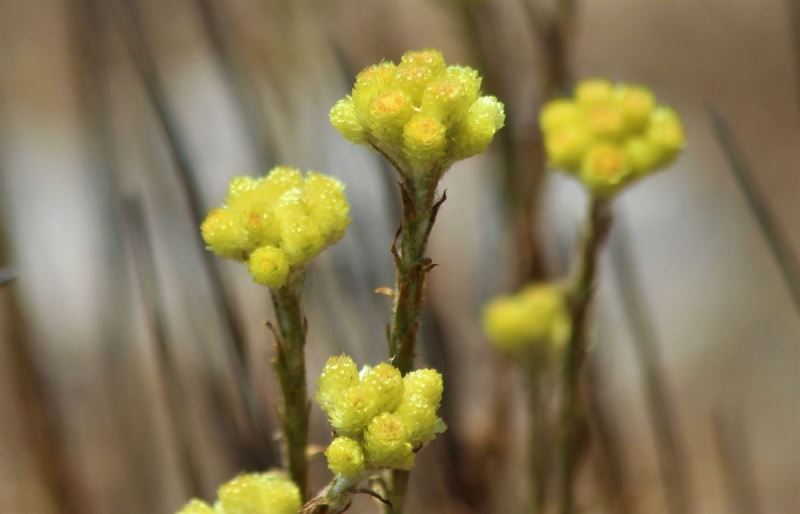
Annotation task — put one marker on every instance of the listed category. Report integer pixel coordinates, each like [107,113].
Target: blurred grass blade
[257,439]
[670,448]
[733,449]
[174,396]
[7,275]
[778,244]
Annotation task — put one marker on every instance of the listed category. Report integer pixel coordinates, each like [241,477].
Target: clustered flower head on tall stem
[277,224]
[263,493]
[380,419]
[609,136]
[422,116]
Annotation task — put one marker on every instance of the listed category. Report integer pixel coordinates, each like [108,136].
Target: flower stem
[336,496]
[419,214]
[582,288]
[290,365]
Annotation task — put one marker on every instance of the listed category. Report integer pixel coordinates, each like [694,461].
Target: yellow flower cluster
[421,113]
[380,417]
[537,316]
[610,135]
[252,493]
[278,222]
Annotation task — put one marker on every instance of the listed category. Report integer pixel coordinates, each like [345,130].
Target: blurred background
[135,368]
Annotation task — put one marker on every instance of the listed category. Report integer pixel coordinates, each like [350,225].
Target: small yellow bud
[483,119]
[412,79]
[637,103]
[224,235]
[268,266]
[666,131]
[557,114]
[343,117]
[449,97]
[369,83]
[387,384]
[196,506]
[239,185]
[353,409]
[591,91]
[386,442]
[260,493]
[606,120]
[424,141]
[339,373]
[430,59]
[420,420]
[643,155]
[426,385]
[566,147]
[345,456]
[327,205]
[605,170]
[387,115]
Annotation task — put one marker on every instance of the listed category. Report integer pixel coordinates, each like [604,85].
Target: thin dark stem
[173,391]
[290,365]
[787,261]
[669,443]
[582,290]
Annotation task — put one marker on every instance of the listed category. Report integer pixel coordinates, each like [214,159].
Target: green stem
[537,444]
[582,288]
[419,213]
[290,365]
[336,496]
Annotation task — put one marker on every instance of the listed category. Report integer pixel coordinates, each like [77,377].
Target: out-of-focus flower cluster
[278,222]
[536,318]
[610,135]
[379,417]
[421,113]
[250,493]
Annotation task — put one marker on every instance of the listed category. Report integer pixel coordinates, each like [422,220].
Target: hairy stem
[582,288]
[336,496]
[290,364]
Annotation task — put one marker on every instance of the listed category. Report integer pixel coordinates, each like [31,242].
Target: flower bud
[558,114]
[637,103]
[386,442]
[425,385]
[260,493]
[592,91]
[239,185]
[327,206]
[387,384]
[345,456]
[483,119]
[224,235]
[431,59]
[268,266]
[339,373]
[605,120]
[643,154]
[666,131]
[369,83]
[424,141]
[387,115]
[353,409]
[420,420]
[605,170]
[343,117]
[196,506]
[449,98]
[566,147]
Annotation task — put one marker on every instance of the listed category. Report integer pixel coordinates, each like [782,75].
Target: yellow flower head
[421,113]
[277,223]
[536,317]
[610,135]
[380,418]
[252,493]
